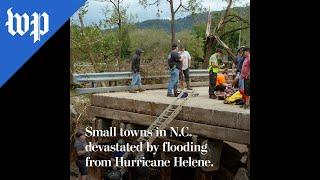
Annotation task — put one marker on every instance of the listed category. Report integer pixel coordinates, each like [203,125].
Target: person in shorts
[186,63]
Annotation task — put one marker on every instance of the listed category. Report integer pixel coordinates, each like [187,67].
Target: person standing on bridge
[135,68]
[245,74]
[239,62]
[174,62]
[186,64]
[213,71]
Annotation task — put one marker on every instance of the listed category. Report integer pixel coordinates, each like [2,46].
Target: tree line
[114,40]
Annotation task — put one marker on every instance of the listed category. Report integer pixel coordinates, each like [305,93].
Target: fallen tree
[214,38]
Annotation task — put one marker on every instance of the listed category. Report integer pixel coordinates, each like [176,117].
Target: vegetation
[111,49]
[109,45]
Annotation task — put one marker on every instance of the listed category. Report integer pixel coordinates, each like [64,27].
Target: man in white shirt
[186,63]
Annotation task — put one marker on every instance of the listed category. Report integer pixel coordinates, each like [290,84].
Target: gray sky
[95,9]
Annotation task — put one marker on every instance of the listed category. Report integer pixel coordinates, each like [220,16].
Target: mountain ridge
[188,22]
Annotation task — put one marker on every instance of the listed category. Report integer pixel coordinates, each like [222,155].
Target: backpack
[234,98]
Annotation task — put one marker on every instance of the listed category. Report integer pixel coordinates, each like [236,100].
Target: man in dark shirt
[79,146]
[175,65]
[135,68]
[238,62]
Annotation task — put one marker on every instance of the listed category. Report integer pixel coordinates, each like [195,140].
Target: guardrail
[114,76]
[93,78]
[87,64]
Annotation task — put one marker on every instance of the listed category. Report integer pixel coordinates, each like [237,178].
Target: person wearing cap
[79,145]
[174,62]
[135,68]
[213,70]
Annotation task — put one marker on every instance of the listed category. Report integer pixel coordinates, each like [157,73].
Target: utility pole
[239,45]
[240,33]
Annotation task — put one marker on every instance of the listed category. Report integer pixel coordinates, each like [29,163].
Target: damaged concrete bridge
[205,117]
[210,120]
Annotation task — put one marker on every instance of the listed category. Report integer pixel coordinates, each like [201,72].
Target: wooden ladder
[166,117]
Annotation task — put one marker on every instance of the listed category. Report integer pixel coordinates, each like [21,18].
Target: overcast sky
[95,9]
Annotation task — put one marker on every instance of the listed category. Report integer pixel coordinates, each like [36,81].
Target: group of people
[242,79]
[179,61]
[179,69]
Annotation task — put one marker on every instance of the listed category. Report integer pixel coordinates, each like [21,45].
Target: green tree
[83,10]
[191,5]
[193,44]
[117,18]
[220,31]
[155,43]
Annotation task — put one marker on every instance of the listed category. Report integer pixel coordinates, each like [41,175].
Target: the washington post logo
[21,24]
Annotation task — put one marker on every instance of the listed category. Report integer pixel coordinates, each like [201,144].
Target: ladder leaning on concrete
[164,119]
